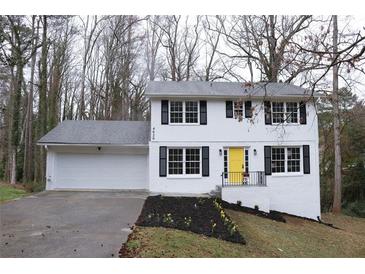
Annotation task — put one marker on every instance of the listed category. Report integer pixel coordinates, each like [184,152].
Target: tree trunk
[16,125]
[28,148]
[42,113]
[336,125]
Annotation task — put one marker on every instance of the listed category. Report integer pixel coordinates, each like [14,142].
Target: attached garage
[112,155]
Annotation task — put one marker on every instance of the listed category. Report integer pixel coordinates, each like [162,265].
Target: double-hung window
[176,112]
[192,161]
[277,112]
[184,112]
[291,112]
[293,159]
[285,112]
[176,162]
[238,109]
[278,160]
[285,159]
[184,161]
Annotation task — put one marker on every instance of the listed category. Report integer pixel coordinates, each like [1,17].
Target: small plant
[213,225]
[132,244]
[187,221]
[201,201]
[239,203]
[167,219]
[232,228]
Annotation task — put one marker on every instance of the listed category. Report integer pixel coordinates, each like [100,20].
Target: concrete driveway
[68,224]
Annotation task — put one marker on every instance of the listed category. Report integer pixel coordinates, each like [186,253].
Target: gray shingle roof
[99,132]
[223,89]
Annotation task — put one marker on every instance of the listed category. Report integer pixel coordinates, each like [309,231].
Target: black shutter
[303,113]
[248,109]
[164,112]
[205,161]
[163,161]
[306,159]
[203,112]
[267,107]
[267,156]
[229,109]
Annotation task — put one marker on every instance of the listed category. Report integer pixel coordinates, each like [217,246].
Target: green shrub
[35,186]
[356,209]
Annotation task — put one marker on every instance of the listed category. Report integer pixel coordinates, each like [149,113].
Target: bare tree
[336,124]
[16,53]
[90,35]
[267,42]
[153,43]
[181,42]
[28,139]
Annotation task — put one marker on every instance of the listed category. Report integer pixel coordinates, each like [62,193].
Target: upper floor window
[184,112]
[191,112]
[292,112]
[176,112]
[284,112]
[238,109]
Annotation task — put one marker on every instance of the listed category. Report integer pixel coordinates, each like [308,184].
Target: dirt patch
[199,215]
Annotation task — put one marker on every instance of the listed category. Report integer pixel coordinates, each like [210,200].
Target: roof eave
[229,96]
[89,144]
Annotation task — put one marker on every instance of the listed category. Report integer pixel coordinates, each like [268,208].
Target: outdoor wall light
[220,152]
[254,151]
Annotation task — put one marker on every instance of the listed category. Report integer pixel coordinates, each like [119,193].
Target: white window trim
[286,173]
[184,113]
[184,175]
[285,113]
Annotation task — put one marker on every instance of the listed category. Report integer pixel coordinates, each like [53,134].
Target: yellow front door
[236,164]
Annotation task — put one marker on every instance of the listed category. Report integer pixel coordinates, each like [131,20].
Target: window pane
[238,109]
[277,112]
[176,112]
[175,160]
[191,112]
[292,112]
[192,161]
[277,159]
[293,159]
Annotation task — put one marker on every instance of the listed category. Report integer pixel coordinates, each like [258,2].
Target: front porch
[247,188]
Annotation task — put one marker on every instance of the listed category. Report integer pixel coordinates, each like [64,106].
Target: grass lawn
[9,192]
[265,238]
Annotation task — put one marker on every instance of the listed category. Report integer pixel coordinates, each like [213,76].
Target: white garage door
[99,171]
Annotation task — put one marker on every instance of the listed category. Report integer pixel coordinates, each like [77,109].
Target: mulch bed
[273,215]
[196,214]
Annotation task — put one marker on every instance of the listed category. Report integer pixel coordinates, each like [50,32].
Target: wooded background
[54,68]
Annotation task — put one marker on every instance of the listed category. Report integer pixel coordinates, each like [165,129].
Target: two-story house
[253,144]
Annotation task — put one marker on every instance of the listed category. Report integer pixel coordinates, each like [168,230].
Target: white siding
[298,195]
[248,196]
[222,129]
